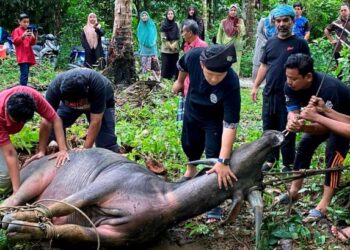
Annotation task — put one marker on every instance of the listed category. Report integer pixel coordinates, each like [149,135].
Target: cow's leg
[88,196]
[33,186]
[69,233]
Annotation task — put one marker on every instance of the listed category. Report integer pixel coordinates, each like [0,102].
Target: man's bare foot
[342,234]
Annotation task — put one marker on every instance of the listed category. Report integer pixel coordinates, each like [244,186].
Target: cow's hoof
[8,218]
[23,230]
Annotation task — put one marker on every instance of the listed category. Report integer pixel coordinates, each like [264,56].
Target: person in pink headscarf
[91,40]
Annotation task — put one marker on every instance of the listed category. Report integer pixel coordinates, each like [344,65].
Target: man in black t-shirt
[302,84]
[85,91]
[277,50]
[212,107]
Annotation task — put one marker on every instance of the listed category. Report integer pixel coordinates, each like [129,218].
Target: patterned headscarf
[146,31]
[230,24]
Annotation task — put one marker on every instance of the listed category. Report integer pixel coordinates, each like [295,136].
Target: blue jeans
[106,138]
[24,69]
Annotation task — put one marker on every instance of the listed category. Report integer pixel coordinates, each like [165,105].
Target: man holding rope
[302,83]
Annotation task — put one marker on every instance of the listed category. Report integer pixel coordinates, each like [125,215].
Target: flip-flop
[283,199]
[215,215]
[314,215]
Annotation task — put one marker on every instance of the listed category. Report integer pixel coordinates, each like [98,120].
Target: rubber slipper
[283,199]
[314,215]
[214,215]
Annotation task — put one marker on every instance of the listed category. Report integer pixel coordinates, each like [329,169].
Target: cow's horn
[209,162]
[255,200]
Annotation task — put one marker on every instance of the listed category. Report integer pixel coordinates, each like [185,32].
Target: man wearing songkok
[212,109]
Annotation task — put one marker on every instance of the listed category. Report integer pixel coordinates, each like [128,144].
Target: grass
[151,130]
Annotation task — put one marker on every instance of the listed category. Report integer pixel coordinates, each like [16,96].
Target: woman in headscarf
[266,29]
[170,34]
[91,40]
[232,30]
[192,15]
[147,38]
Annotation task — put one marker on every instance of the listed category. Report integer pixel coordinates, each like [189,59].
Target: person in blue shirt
[301,26]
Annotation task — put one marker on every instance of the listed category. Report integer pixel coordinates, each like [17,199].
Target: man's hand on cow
[33,158]
[61,157]
[79,149]
[318,103]
[225,175]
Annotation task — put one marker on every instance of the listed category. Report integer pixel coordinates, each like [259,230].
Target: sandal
[214,215]
[283,199]
[314,215]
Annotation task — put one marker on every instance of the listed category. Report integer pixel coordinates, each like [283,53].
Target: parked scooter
[77,56]
[48,49]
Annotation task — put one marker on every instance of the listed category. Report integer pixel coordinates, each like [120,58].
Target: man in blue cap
[274,112]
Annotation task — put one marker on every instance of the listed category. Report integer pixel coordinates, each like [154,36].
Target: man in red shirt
[23,39]
[17,106]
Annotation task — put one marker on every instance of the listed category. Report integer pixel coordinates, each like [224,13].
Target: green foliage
[344,65]
[321,51]
[246,62]
[288,228]
[40,75]
[198,228]
[27,139]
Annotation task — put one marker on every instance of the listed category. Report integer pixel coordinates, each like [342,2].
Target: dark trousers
[91,58]
[24,70]
[336,150]
[106,138]
[169,68]
[337,57]
[197,137]
[274,116]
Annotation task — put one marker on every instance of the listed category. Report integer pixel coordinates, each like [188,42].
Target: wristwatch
[224,161]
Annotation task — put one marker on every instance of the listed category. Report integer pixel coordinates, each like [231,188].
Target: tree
[121,56]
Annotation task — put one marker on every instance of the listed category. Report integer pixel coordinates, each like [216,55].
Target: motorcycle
[48,49]
[77,56]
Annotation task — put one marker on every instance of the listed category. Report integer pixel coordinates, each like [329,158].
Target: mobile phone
[30,30]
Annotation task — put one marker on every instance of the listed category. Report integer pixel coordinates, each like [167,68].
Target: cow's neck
[194,197]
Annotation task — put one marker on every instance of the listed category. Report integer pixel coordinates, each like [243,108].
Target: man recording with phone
[23,39]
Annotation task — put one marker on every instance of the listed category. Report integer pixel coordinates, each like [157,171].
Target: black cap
[219,58]
[23,16]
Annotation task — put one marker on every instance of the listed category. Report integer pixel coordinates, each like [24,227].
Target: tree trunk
[250,21]
[121,54]
[205,15]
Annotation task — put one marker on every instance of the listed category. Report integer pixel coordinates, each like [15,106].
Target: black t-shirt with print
[275,56]
[335,94]
[207,103]
[100,91]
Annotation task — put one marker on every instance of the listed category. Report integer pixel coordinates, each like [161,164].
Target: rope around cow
[44,219]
